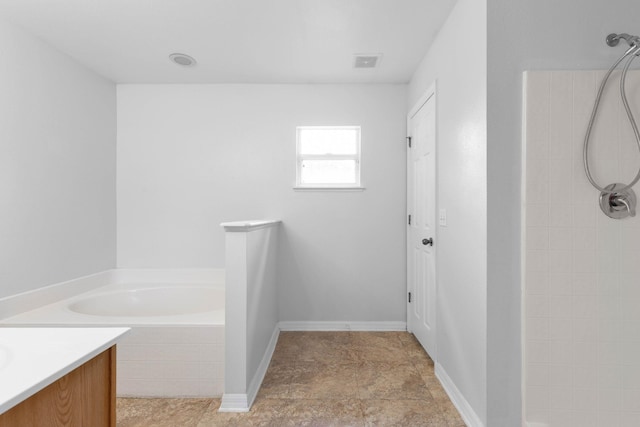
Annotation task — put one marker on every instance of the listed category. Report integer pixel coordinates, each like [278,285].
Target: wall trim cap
[250,225]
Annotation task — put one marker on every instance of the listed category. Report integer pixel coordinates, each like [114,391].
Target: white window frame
[328,186]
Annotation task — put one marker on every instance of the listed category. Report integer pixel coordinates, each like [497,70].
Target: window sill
[301,188]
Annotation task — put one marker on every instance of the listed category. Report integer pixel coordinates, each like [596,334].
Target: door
[421,232]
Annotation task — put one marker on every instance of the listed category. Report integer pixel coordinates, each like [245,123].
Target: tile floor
[323,379]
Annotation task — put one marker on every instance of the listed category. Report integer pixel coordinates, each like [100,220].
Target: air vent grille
[367,60]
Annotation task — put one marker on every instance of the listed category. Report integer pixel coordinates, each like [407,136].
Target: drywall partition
[251,310]
[57,166]
[456,62]
[192,156]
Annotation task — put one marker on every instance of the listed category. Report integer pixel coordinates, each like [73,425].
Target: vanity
[58,376]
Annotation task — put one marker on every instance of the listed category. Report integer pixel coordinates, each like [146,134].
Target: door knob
[428,241]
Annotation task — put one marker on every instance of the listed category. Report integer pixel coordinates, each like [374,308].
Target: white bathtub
[151,300]
[176,346]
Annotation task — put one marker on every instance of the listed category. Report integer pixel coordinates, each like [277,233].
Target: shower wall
[581,294]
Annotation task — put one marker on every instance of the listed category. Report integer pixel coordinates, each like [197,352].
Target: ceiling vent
[367,60]
[182,59]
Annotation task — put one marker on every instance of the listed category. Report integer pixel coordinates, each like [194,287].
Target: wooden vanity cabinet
[84,397]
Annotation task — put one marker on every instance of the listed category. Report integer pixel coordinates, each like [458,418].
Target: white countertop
[33,358]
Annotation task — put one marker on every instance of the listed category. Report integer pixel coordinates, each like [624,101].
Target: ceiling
[237,41]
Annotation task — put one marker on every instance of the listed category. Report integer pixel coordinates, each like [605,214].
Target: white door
[421,232]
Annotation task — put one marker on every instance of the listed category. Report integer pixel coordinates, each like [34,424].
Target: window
[328,157]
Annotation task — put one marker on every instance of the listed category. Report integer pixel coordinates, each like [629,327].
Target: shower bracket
[618,204]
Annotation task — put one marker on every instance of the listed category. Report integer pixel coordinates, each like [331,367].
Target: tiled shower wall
[581,269]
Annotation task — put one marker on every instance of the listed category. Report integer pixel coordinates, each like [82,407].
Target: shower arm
[613,39]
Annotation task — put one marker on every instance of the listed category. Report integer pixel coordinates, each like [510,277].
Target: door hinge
[409,219]
[409,141]
[409,296]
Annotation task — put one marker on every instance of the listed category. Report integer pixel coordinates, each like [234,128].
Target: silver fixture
[618,203]
[182,59]
[428,241]
[616,200]
[613,39]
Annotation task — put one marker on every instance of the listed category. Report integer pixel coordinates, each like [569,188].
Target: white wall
[527,34]
[193,156]
[457,62]
[57,166]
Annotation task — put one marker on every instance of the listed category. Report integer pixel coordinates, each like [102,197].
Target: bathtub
[176,345]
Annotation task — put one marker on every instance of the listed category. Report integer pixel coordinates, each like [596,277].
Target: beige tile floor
[323,379]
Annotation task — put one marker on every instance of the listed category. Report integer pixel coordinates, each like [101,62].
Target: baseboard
[234,403]
[258,377]
[466,411]
[243,402]
[341,326]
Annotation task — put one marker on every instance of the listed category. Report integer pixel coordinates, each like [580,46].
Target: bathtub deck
[323,378]
[179,355]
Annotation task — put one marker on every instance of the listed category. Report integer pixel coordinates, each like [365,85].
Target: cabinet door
[83,397]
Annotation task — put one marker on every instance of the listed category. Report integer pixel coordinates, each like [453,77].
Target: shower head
[613,39]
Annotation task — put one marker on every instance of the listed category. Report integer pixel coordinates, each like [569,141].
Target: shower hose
[629,55]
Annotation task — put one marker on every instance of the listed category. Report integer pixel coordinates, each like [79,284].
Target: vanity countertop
[33,358]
